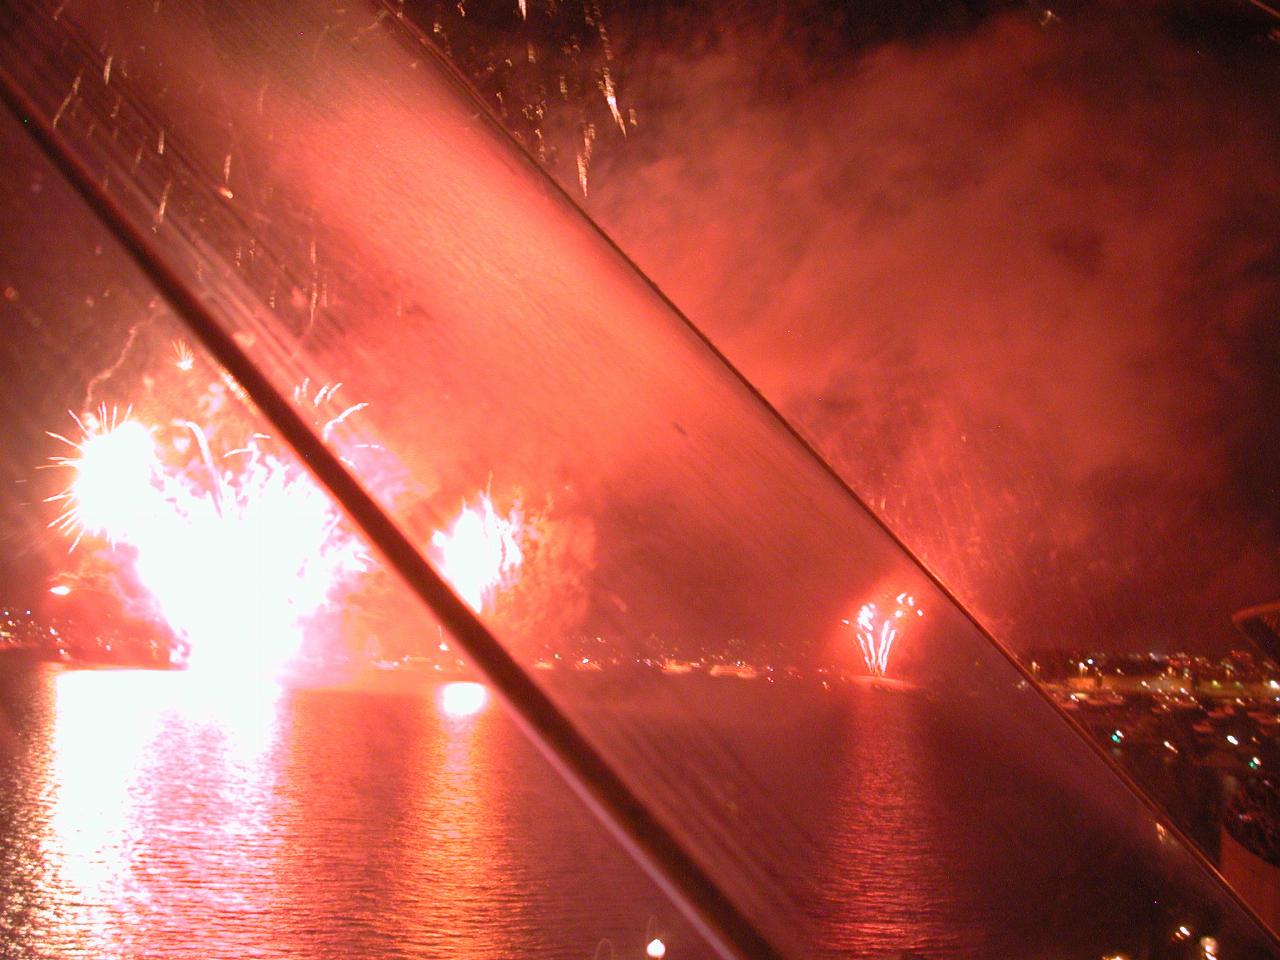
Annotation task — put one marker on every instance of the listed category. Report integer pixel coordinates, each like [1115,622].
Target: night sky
[1016,275]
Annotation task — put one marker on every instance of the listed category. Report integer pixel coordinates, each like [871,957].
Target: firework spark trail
[322,396]
[107,373]
[877,632]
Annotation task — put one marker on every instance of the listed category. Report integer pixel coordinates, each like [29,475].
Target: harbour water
[156,814]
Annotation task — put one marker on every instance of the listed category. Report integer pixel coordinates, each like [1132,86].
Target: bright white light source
[61,590]
[1231,739]
[463,698]
[656,949]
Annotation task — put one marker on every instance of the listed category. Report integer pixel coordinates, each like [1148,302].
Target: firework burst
[878,626]
[237,552]
[480,553]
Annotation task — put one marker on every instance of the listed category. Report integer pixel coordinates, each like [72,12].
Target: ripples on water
[142,817]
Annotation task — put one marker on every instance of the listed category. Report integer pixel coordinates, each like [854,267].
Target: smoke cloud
[1019,282]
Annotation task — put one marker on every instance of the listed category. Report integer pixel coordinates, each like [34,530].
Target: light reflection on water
[892,795]
[156,815]
[158,795]
[152,817]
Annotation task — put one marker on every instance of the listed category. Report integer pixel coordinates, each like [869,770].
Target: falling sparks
[877,628]
[480,553]
[596,17]
[323,396]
